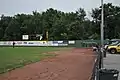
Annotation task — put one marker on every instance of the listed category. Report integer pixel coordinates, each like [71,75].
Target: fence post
[98,63]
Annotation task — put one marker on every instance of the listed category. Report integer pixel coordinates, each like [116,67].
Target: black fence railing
[97,65]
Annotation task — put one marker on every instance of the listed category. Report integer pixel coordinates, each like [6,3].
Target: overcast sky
[12,7]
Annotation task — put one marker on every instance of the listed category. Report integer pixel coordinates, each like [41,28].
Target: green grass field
[11,58]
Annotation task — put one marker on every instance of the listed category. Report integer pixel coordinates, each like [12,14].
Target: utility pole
[102,32]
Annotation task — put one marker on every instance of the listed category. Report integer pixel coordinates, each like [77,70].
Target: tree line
[61,25]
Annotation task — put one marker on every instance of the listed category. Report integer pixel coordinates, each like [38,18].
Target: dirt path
[75,64]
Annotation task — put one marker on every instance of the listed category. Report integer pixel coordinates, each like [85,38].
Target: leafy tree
[12,32]
[5,20]
[61,25]
[111,16]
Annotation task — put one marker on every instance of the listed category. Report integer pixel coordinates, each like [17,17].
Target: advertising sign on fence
[71,42]
[36,43]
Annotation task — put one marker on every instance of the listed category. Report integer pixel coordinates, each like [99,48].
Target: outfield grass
[11,58]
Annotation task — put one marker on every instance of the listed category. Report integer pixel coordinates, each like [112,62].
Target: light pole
[102,31]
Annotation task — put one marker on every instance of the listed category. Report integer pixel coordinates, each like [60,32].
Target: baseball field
[46,63]
[11,58]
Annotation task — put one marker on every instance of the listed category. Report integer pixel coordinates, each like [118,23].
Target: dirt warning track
[75,64]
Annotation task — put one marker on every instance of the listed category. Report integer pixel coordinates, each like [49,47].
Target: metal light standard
[102,32]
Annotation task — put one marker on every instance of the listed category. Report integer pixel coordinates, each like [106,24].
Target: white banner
[71,42]
[31,43]
[27,43]
[25,37]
